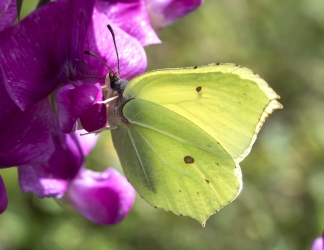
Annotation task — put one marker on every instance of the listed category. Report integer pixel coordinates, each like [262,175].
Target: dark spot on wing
[198,89]
[207,181]
[180,191]
[217,163]
[180,214]
[208,146]
[198,193]
[188,160]
[217,63]
[155,206]
[195,67]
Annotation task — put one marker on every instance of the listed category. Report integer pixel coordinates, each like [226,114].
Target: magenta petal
[66,121]
[3,196]
[104,198]
[130,16]
[73,101]
[87,142]
[4,5]
[28,56]
[38,54]
[25,137]
[8,13]
[131,53]
[318,244]
[165,12]
[53,56]
[94,118]
[52,178]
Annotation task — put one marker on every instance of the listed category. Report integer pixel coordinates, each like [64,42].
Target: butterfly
[181,133]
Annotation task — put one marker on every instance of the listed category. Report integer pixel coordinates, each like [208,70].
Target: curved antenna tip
[113,36]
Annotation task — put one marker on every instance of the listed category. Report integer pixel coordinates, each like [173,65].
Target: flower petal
[73,101]
[165,12]
[131,53]
[4,5]
[52,56]
[25,137]
[130,16]
[94,118]
[318,244]
[3,196]
[87,142]
[104,198]
[28,57]
[51,179]
[8,13]
[37,54]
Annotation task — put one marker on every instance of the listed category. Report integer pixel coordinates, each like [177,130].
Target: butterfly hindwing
[172,163]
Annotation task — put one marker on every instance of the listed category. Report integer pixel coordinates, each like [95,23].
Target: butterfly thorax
[115,113]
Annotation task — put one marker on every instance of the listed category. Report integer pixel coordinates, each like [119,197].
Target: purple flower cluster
[50,89]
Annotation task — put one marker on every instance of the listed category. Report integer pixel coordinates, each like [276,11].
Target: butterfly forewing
[226,101]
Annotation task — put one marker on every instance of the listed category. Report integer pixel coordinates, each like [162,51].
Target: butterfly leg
[100,130]
[108,100]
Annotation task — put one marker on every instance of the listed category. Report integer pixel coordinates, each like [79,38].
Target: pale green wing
[227,101]
[174,164]
[187,130]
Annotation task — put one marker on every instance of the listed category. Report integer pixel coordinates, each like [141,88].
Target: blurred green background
[282,202]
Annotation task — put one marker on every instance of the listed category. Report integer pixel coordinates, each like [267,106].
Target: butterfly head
[116,83]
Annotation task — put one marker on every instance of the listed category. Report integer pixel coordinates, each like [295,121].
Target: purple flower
[139,17]
[131,16]
[3,196]
[318,243]
[165,12]
[25,136]
[43,55]
[104,198]
[51,179]
[8,13]
[39,57]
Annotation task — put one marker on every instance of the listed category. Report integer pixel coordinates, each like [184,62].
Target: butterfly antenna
[113,36]
[97,57]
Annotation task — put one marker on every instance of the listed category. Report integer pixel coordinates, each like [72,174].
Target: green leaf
[182,132]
